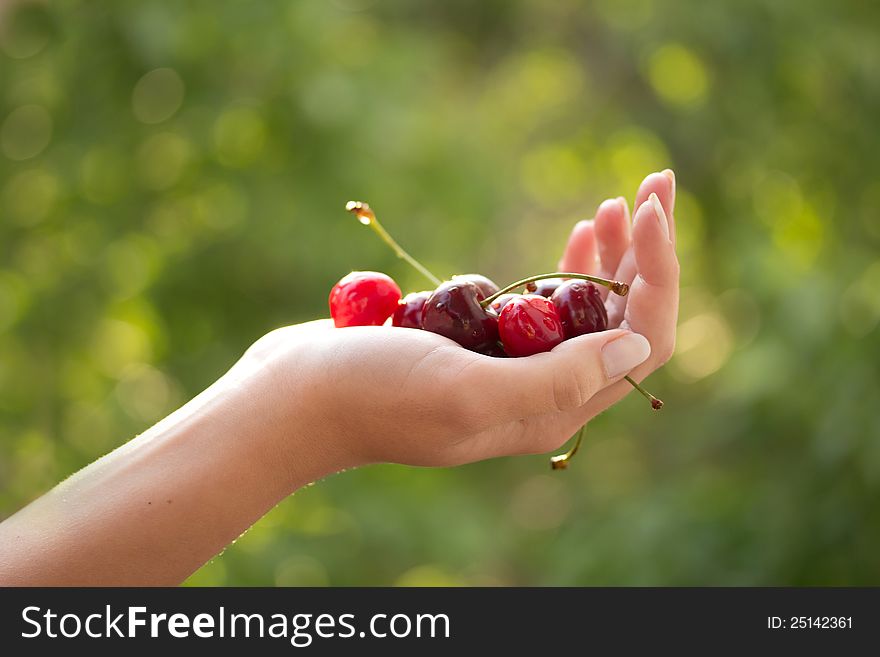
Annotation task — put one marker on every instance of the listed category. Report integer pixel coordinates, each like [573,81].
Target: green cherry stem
[656,404]
[367,217]
[615,286]
[560,461]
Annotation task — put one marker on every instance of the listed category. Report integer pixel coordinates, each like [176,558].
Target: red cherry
[529,325]
[546,287]
[495,350]
[580,308]
[363,298]
[409,310]
[454,310]
[502,301]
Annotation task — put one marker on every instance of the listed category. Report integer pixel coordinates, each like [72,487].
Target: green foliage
[172,182]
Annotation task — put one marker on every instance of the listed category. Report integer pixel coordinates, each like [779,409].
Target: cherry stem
[560,461]
[656,404]
[615,286]
[367,217]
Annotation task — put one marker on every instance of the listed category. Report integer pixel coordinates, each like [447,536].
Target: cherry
[545,284]
[580,308]
[453,310]
[486,285]
[544,287]
[502,301]
[363,298]
[409,310]
[529,325]
[496,351]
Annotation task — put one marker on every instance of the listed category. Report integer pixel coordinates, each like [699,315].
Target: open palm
[411,396]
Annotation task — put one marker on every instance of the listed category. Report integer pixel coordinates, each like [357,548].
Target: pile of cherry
[474,312]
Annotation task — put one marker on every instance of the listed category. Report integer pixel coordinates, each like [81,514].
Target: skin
[310,400]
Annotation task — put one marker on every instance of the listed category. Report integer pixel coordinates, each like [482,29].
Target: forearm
[157,508]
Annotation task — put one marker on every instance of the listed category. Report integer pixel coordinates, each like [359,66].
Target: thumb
[562,379]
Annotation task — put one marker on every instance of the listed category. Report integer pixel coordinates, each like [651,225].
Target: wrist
[288,408]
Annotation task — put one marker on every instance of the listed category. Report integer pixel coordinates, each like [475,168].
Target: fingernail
[609,203]
[669,173]
[623,354]
[660,213]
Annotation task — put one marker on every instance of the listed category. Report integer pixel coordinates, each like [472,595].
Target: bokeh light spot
[26,28]
[632,152]
[157,95]
[703,346]
[131,264]
[26,132]
[678,75]
[800,236]
[532,87]
[144,393]
[239,136]
[117,344]
[777,195]
[221,206]
[553,175]
[103,175]
[29,196]
[14,298]
[161,160]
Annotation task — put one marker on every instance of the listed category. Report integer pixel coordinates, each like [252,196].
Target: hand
[371,394]
[644,257]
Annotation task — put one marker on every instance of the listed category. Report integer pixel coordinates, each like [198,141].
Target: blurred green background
[172,182]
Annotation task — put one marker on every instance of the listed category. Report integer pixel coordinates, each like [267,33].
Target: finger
[663,185]
[615,305]
[652,311]
[612,236]
[580,251]
[652,308]
[556,381]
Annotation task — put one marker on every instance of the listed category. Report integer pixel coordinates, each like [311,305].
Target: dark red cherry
[529,325]
[409,310]
[453,310]
[545,287]
[502,301]
[486,285]
[580,308]
[363,298]
[496,351]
